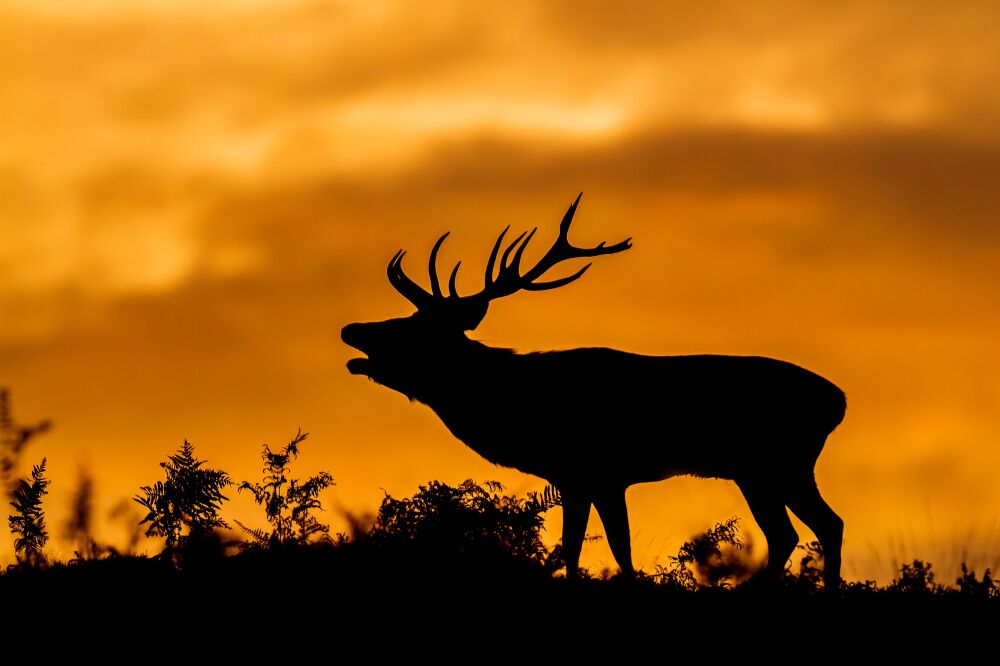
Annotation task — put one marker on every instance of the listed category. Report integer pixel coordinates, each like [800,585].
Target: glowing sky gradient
[194,201]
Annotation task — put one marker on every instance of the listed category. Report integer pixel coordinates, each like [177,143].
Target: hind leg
[614,514]
[805,502]
[768,508]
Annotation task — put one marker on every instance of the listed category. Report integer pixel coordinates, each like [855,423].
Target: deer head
[400,351]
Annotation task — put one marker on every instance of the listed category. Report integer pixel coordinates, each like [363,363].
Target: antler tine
[493,257]
[509,279]
[555,284]
[392,269]
[568,218]
[562,250]
[515,263]
[504,272]
[452,292]
[402,283]
[432,267]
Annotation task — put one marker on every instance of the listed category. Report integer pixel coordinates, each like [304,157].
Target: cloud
[193,203]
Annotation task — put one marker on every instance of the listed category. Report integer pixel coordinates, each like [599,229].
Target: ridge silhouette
[594,421]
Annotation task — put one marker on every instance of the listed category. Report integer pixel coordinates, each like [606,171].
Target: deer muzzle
[353,336]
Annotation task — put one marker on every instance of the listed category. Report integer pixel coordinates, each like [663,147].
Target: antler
[413,291]
[508,280]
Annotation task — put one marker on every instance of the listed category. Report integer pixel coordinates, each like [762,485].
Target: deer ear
[475,315]
[470,314]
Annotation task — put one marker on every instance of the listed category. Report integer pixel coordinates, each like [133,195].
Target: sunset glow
[194,200]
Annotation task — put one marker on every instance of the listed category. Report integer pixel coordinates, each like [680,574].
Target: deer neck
[463,378]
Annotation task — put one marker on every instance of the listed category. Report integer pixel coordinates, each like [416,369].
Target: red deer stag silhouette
[594,421]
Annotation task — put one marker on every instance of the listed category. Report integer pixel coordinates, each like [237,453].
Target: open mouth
[359,366]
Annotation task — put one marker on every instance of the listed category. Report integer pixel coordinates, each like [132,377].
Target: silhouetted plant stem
[288,503]
[28,520]
[190,496]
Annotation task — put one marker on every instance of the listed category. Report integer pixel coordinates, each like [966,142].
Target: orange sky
[194,201]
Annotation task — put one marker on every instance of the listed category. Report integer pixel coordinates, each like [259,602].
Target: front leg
[576,513]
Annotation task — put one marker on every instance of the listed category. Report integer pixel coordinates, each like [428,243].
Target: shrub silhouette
[810,575]
[969,585]
[469,522]
[288,503]
[191,497]
[916,578]
[710,559]
[442,550]
[28,520]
